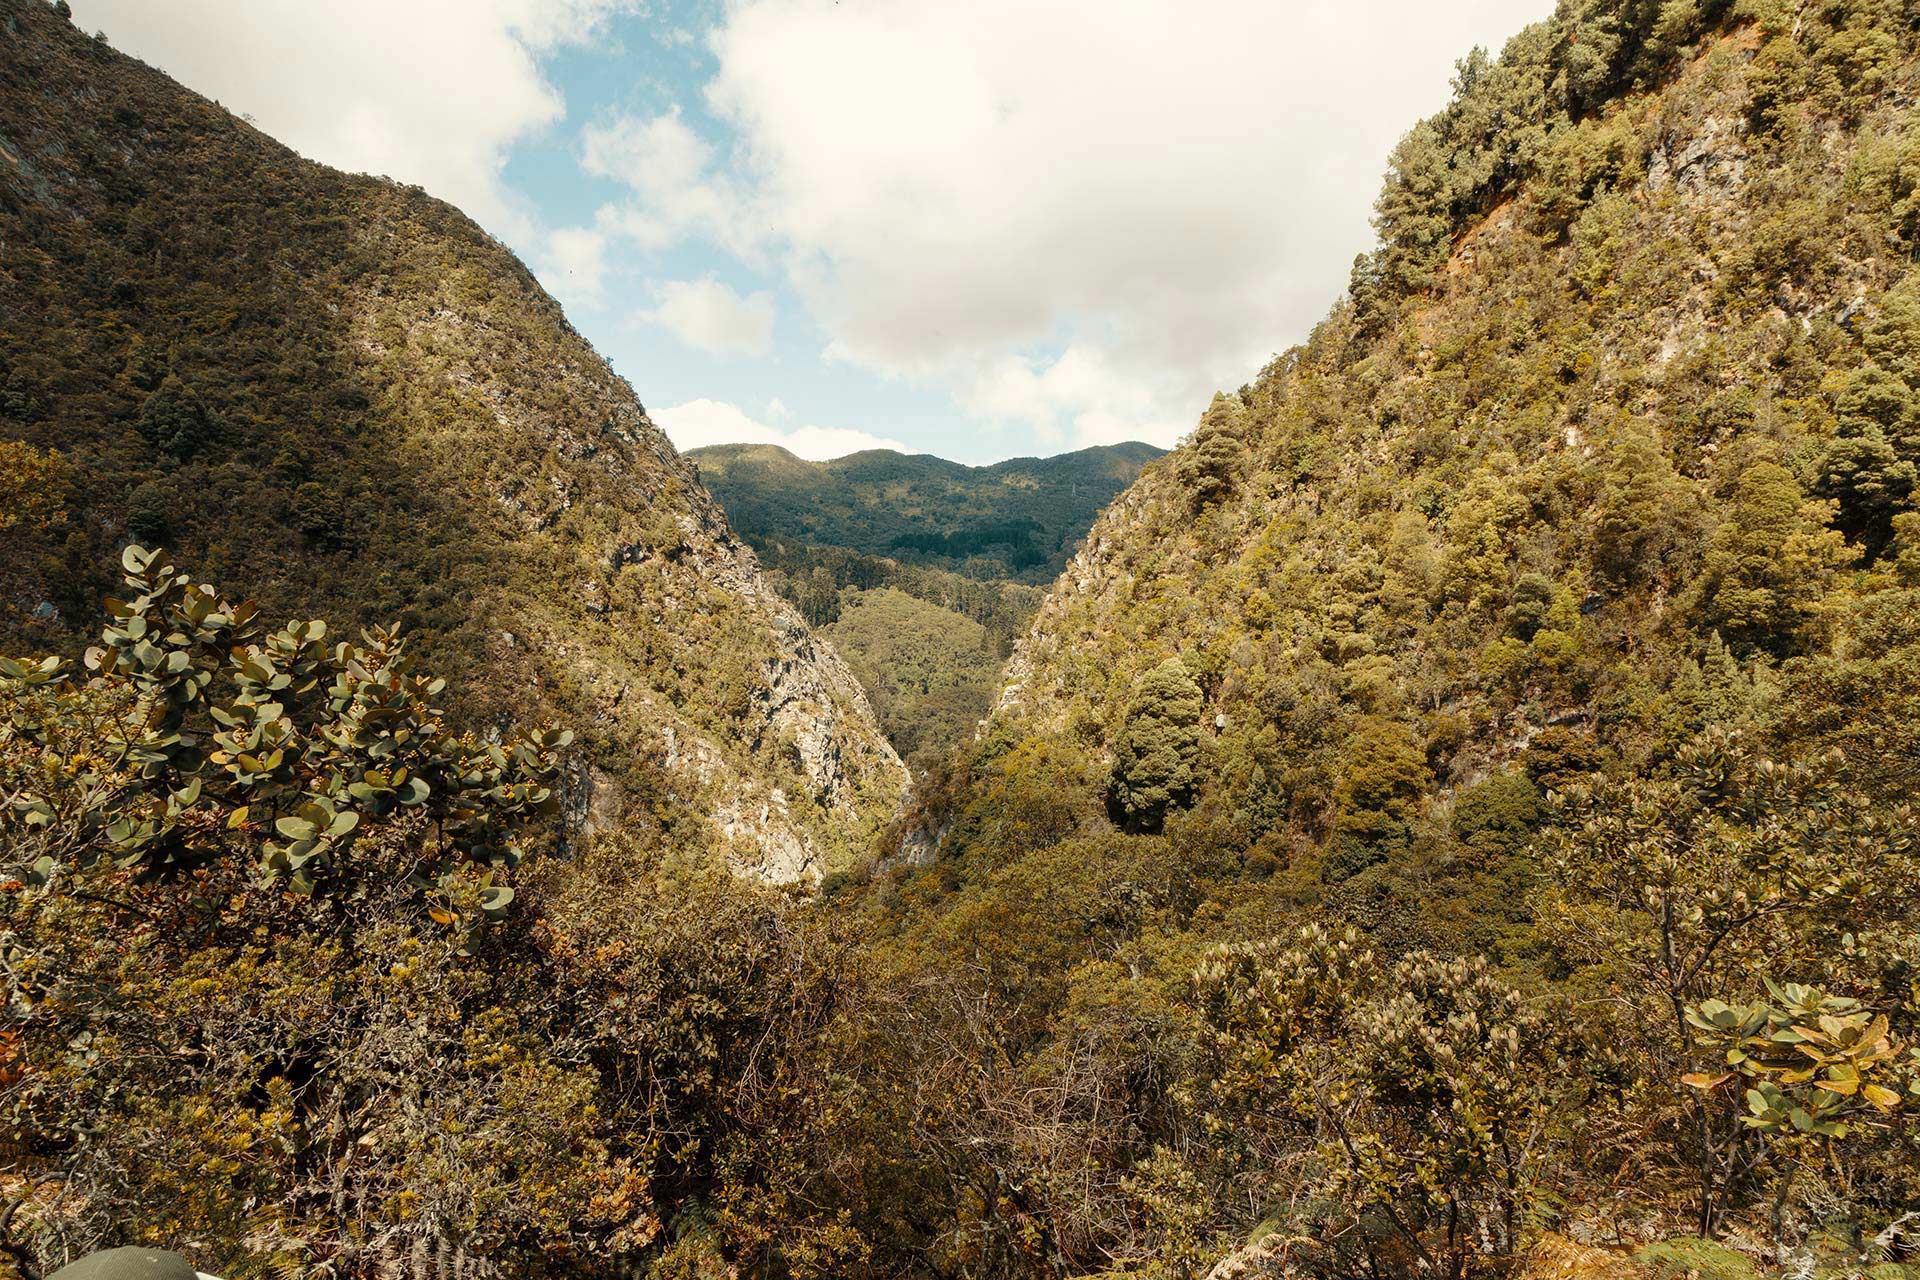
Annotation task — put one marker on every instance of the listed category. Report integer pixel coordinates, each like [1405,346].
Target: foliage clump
[275,1004]
[201,731]
[1157,750]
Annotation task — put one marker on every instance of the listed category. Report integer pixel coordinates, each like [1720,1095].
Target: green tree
[1385,777]
[1157,750]
[1869,394]
[1498,817]
[1642,506]
[176,421]
[1215,459]
[1769,563]
[150,511]
[1868,480]
[819,597]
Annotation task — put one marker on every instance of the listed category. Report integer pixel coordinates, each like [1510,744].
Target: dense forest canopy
[1017,520]
[965,543]
[1452,817]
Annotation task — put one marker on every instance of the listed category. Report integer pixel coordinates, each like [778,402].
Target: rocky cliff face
[341,396]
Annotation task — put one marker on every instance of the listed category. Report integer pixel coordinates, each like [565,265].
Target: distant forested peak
[1019,519]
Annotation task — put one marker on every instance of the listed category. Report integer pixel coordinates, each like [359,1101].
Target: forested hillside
[340,397]
[1450,818]
[384,864]
[1017,520]
[1551,621]
[965,543]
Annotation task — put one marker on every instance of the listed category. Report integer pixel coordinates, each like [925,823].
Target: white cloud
[1081,216]
[1079,398]
[432,92]
[699,423]
[708,314]
[777,409]
[1076,217]
[574,265]
[677,189]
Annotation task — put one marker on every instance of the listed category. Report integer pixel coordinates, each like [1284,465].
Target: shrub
[1158,747]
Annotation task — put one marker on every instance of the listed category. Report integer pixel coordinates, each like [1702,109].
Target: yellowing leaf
[1880,1096]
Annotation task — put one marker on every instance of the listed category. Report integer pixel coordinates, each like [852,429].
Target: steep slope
[930,672]
[1017,519]
[1514,615]
[1525,473]
[965,543]
[339,395]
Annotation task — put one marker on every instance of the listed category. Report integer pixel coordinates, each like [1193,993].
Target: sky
[975,228]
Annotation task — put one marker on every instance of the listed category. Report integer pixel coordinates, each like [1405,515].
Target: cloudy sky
[976,228]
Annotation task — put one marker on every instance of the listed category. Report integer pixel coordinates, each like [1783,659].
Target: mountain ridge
[340,395]
[1014,519]
[1126,448]
[917,568]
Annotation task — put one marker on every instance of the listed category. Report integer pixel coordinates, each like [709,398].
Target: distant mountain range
[1019,520]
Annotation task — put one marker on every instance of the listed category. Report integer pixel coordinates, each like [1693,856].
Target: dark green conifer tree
[1158,747]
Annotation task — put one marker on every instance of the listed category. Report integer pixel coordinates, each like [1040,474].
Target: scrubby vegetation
[929,671]
[1549,619]
[281,991]
[1454,821]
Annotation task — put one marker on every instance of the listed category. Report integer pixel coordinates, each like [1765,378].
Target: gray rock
[128,1263]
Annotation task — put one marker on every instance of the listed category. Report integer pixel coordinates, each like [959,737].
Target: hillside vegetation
[1451,818]
[1462,794]
[340,397]
[928,670]
[957,632]
[1017,520]
[966,543]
